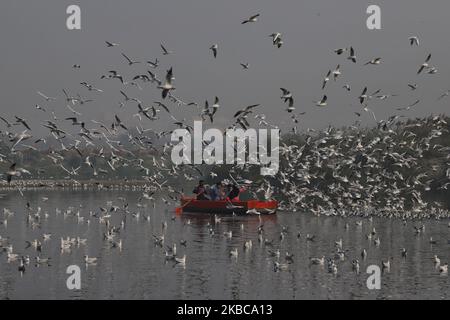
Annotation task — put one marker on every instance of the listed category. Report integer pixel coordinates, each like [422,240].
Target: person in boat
[222,192]
[215,191]
[233,195]
[200,191]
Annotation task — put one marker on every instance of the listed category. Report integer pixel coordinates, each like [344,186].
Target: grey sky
[37,53]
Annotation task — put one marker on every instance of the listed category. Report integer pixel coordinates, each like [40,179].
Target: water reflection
[141,271]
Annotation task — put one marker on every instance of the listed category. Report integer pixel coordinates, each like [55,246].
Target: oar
[179,210]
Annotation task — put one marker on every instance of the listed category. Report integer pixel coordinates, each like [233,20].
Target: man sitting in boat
[200,191]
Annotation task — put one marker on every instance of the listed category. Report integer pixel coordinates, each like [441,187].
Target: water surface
[140,270]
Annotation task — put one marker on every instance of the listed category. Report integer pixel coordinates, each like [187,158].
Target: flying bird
[340,51]
[322,102]
[425,64]
[130,62]
[326,79]
[214,49]
[352,55]
[245,66]
[45,97]
[23,122]
[111,44]
[413,41]
[375,61]
[287,96]
[276,39]
[165,51]
[253,18]
[167,86]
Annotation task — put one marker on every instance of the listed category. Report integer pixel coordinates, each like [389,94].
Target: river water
[140,270]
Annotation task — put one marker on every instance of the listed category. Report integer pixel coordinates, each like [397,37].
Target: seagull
[12,172]
[40,108]
[45,97]
[352,55]
[153,64]
[412,86]
[363,96]
[409,106]
[167,86]
[413,41]
[8,124]
[322,102]
[214,49]
[245,66]
[253,18]
[326,79]
[69,98]
[234,253]
[111,44]
[375,61]
[216,105]
[425,64]
[165,51]
[340,51]
[130,62]
[90,87]
[23,122]
[181,261]
[276,39]
[287,96]
[336,72]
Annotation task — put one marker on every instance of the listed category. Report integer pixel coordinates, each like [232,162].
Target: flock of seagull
[114,218]
[384,171]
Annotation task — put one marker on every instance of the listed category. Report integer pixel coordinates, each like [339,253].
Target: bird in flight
[214,49]
[45,97]
[130,62]
[425,64]
[413,41]
[352,55]
[167,86]
[165,51]
[322,102]
[253,18]
[111,44]
[375,61]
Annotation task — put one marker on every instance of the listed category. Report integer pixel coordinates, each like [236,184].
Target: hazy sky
[37,53]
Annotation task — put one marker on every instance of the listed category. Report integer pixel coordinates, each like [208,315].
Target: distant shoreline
[79,184]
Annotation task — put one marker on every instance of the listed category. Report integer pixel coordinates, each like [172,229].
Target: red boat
[191,204]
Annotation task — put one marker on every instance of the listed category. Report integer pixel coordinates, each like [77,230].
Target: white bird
[322,102]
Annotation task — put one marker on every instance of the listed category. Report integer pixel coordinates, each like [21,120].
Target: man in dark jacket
[200,191]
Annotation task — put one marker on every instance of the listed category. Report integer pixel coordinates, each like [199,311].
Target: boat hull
[224,207]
